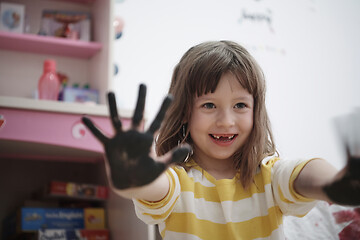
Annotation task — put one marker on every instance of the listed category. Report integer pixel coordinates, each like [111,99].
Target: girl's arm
[320,180]
[154,191]
[132,167]
[313,177]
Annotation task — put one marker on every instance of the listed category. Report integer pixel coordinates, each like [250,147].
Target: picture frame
[12,17]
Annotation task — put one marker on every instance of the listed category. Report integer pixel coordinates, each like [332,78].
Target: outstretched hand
[346,189]
[129,155]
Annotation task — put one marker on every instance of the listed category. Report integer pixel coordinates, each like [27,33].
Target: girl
[229,182]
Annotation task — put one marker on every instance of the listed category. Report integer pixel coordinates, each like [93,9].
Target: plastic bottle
[49,84]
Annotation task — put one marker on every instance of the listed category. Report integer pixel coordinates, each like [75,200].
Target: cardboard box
[63,234]
[94,218]
[77,190]
[28,219]
[80,95]
[33,219]
[12,17]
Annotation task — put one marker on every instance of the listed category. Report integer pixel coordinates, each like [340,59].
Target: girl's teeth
[218,137]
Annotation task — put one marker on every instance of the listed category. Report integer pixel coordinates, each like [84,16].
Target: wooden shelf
[48,152]
[54,106]
[60,107]
[48,45]
[52,130]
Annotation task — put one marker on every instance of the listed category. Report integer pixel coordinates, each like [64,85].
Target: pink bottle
[49,84]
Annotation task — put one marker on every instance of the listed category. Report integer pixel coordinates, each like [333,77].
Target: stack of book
[65,211]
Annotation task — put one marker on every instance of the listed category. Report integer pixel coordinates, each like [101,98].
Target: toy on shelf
[66,24]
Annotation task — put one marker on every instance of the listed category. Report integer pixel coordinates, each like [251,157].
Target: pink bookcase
[45,140]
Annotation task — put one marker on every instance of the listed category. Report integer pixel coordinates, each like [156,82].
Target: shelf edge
[56,106]
[48,45]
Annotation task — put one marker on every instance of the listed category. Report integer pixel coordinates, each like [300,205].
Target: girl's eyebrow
[245,98]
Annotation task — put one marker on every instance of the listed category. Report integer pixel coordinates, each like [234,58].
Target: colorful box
[80,95]
[28,219]
[94,218]
[33,219]
[77,190]
[63,234]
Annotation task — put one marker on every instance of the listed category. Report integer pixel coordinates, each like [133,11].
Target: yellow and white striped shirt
[200,207]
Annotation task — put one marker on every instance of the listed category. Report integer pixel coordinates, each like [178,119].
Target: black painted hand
[131,161]
[346,190]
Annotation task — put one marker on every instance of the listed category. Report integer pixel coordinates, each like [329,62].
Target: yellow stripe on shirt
[166,199]
[254,228]
[230,191]
[294,175]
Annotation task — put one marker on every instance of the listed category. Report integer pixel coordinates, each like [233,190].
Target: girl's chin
[218,157]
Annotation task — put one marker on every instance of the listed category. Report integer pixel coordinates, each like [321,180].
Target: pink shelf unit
[48,45]
[46,135]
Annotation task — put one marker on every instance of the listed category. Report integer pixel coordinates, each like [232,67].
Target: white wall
[308,50]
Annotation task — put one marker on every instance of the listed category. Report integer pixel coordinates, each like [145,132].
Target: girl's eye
[240,105]
[208,105]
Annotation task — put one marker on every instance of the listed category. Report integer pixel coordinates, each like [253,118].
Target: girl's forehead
[227,82]
[228,88]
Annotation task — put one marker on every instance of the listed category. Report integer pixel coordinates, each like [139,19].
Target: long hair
[199,72]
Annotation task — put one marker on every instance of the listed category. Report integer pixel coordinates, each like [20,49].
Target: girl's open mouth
[223,137]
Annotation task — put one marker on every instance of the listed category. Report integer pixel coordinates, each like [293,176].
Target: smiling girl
[232,184]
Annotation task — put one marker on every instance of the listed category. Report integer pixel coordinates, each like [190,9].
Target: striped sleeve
[283,174]
[157,212]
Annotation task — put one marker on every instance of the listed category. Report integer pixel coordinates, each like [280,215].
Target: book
[76,190]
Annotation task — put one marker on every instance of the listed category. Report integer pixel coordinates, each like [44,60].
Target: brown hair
[199,72]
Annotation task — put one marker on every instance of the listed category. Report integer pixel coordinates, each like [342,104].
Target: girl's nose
[225,119]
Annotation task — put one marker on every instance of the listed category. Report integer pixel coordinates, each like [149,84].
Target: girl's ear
[184,119]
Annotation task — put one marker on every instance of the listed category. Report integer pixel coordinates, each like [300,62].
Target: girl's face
[221,122]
